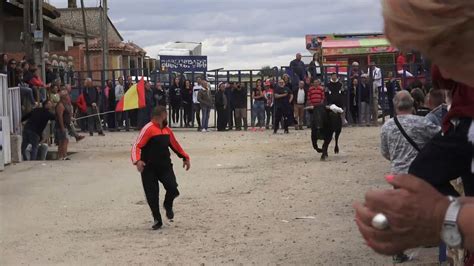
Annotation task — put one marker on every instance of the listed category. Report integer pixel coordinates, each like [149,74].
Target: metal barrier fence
[247,79]
[10,100]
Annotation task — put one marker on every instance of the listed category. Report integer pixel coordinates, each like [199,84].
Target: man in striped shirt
[316,98]
[151,156]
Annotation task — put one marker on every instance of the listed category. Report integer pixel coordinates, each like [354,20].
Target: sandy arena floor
[239,204]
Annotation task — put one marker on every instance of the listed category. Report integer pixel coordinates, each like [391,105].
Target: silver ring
[380,221]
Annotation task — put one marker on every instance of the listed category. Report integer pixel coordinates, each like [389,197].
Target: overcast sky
[238,34]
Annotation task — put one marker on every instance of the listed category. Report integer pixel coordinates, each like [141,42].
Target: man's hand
[94,105]
[415,213]
[187,165]
[140,166]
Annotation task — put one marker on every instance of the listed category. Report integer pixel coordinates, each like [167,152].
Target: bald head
[403,102]
[298,56]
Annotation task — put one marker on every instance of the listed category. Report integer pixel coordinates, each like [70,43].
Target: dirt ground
[239,204]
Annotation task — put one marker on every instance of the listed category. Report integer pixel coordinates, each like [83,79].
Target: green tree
[267,71]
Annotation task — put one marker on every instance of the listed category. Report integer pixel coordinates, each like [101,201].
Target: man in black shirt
[221,107]
[91,94]
[50,76]
[230,105]
[159,95]
[239,97]
[364,97]
[283,97]
[33,130]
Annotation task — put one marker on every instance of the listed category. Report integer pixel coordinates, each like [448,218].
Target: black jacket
[229,94]
[175,93]
[364,93]
[187,96]
[37,120]
[295,95]
[239,98]
[50,76]
[91,95]
[221,99]
[159,97]
[299,69]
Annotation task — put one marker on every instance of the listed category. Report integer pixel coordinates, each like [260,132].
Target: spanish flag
[134,98]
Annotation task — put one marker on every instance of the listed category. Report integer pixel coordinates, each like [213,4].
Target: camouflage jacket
[397,149]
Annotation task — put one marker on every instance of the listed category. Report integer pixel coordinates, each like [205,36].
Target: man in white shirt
[376,75]
[196,104]
[299,104]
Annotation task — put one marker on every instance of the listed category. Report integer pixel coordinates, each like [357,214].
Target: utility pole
[103,30]
[106,36]
[27,39]
[86,39]
[40,40]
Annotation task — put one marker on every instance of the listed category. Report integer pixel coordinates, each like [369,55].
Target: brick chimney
[71,4]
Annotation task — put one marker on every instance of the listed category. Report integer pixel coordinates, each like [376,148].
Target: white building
[182,49]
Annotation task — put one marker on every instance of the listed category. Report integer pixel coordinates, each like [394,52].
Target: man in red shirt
[401,66]
[151,156]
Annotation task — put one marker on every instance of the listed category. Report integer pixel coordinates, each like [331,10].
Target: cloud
[239,34]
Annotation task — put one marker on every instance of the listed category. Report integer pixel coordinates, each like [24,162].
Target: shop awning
[356,46]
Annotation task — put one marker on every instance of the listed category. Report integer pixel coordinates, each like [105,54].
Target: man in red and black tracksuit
[151,155]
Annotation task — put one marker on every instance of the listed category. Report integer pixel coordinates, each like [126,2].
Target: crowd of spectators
[274,102]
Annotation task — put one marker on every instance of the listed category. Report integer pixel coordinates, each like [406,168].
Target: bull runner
[151,156]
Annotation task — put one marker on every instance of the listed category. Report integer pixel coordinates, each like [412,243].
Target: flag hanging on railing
[134,98]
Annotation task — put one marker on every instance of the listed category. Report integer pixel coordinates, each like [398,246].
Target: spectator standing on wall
[314,67]
[298,69]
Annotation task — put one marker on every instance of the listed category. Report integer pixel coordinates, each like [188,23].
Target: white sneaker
[204,131]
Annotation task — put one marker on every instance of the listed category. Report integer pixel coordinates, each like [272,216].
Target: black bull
[325,124]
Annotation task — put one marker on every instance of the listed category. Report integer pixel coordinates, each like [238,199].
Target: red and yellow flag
[134,98]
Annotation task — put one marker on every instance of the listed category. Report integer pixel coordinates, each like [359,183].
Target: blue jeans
[30,138]
[258,111]
[206,111]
